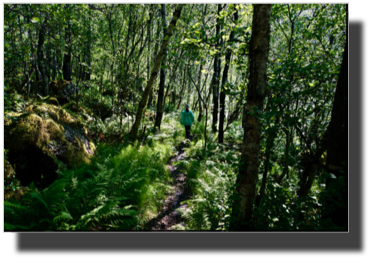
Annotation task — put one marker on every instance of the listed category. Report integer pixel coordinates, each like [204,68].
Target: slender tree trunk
[241,218]
[41,61]
[144,99]
[199,94]
[88,51]
[224,81]
[67,57]
[147,65]
[172,77]
[268,150]
[182,93]
[216,75]
[160,100]
[205,103]
[54,70]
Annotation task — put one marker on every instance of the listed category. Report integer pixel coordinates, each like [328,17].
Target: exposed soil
[169,216]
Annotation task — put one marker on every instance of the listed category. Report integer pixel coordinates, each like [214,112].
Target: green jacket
[187,118]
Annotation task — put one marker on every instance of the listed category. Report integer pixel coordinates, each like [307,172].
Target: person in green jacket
[187,119]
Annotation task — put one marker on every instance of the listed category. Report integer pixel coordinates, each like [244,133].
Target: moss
[9,172]
[92,147]
[16,190]
[11,118]
[78,154]
[34,130]
[72,105]
[7,120]
[53,101]
[34,139]
[59,114]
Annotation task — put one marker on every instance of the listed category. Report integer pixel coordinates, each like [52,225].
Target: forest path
[169,216]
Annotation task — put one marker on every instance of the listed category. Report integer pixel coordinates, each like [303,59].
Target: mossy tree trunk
[242,210]
[144,99]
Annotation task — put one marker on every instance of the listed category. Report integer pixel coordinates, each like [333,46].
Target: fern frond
[63,216]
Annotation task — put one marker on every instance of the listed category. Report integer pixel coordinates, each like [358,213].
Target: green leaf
[35,20]
[223,13]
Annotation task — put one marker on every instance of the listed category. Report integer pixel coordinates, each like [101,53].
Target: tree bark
[242,210]
[199,93]
[41,61]
[336,206]
[216,75]
[147,66]
[88,51]
[67,57]
[160,100]
[224,81]
[144,99]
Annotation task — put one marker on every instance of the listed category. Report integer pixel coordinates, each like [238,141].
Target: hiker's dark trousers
[188,132]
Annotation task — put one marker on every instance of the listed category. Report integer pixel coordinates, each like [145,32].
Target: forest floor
[169,216]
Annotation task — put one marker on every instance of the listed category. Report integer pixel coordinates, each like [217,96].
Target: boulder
[39,141]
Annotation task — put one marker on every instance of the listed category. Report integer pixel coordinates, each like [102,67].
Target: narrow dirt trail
[169,216]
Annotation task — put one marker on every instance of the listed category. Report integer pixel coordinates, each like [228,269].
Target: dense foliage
[75,76]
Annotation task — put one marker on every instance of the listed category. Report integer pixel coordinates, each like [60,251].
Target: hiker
[187,119]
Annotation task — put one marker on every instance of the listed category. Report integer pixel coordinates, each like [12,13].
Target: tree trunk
[336,203]
[216,75]
[224,81]
[67,57]
[144,99]
[268,150]
[160,100]
[242,210]
[54,71]
[147,66]
[88,52]
[199,93]
[41,61]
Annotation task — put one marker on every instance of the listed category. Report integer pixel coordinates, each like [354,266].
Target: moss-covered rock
[52,101]
[9,172]
[16,191]
[81,111]
[39,140]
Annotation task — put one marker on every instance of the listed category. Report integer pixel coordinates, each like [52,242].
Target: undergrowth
[211,174]
[117,190]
